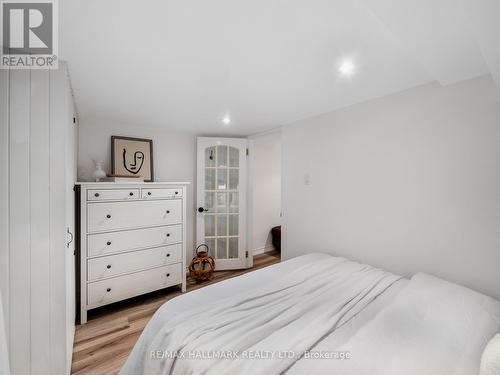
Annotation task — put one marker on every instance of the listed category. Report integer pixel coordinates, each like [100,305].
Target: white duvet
[433,327]
[430,327]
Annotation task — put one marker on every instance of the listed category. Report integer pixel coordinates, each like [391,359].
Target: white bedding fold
[433,327]
[292,314]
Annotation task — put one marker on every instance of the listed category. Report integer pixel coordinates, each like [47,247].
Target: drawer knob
[149,193]
[176,192]
[168,234]
[168,211]
[96,195]
[131,194]
[108,290]
[108,266]
[168,255]
[168,275]
[108,243]
[108,216]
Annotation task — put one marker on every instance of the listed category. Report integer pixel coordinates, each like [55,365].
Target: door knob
[201,209]
[71,238]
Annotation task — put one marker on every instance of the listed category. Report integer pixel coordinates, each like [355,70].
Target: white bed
[282,318]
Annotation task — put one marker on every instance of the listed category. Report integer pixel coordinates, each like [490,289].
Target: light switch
[307,179]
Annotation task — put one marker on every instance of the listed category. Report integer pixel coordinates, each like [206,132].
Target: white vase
[98,171]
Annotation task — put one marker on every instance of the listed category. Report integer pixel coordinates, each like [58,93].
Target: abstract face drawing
[134,162]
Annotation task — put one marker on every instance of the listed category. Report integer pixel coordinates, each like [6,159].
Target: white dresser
[131,240]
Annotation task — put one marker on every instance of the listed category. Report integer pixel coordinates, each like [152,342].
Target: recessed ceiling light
[226,120]
[347,68]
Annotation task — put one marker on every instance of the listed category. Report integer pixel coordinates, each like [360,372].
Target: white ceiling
[184,64]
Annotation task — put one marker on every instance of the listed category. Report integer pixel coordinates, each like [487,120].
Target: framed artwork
[132,157]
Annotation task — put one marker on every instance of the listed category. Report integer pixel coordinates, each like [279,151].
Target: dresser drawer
[116,242]
[125,215]
[112,194]
[161,193]
[111,290]
[104,267]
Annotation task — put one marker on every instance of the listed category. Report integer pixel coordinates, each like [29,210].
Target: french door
[221,200]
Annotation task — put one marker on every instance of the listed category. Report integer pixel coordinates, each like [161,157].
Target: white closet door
[40,225]
[4,353]
[33,123]
[4,208]
[59,332]
[71,161]
[19,222]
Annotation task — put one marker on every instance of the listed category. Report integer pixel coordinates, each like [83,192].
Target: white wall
[264,190]
[409,182]
[174,157]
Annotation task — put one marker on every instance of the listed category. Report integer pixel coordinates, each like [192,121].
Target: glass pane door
[221,213]
[220,221]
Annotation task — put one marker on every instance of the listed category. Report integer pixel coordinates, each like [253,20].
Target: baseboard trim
[262,250]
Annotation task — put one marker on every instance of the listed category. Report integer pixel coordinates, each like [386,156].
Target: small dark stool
[276,233]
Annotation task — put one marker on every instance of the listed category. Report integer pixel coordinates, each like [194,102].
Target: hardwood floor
[104,343]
